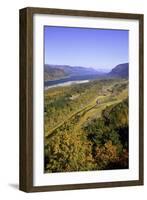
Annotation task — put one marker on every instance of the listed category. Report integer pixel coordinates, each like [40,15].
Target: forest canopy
[89,127]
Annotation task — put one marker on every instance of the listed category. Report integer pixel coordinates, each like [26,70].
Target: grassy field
[71,113]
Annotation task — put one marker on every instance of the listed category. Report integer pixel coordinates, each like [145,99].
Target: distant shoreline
[66,84]
[72,78]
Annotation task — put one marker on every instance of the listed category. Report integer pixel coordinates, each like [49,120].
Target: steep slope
[60,71]
[121,71]
[53,73]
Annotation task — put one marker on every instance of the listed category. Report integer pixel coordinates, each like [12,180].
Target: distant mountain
[120,71]
[53,72]
[56,72]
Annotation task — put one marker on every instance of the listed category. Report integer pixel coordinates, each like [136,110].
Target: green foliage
[112,128]
[117,116]
[59,104]
[75,142]
[68,152]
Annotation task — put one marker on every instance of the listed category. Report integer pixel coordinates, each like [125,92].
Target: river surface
[70,80]
[66,84]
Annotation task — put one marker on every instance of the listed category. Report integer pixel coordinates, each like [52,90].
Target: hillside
[120,71]
[86,126]
[53,72]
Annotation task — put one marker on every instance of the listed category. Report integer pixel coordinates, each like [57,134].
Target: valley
[69,112]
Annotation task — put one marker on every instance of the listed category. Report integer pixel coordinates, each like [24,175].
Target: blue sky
[97,48]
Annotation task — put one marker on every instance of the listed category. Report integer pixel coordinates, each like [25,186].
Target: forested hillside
[120,71]
[86,126]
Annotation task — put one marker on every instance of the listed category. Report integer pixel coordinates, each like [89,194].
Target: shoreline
[68,83]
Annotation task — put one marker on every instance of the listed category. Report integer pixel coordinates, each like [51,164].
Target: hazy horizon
[95,68]
[100,49]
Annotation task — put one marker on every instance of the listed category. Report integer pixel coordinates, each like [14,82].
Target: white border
[41,179]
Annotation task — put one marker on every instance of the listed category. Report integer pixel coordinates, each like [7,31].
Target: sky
[88,47]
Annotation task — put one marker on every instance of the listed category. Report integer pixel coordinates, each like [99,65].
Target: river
[70,80]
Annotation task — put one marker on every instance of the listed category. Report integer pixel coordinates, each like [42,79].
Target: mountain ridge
[120,71]
[53,72]
[67,70]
